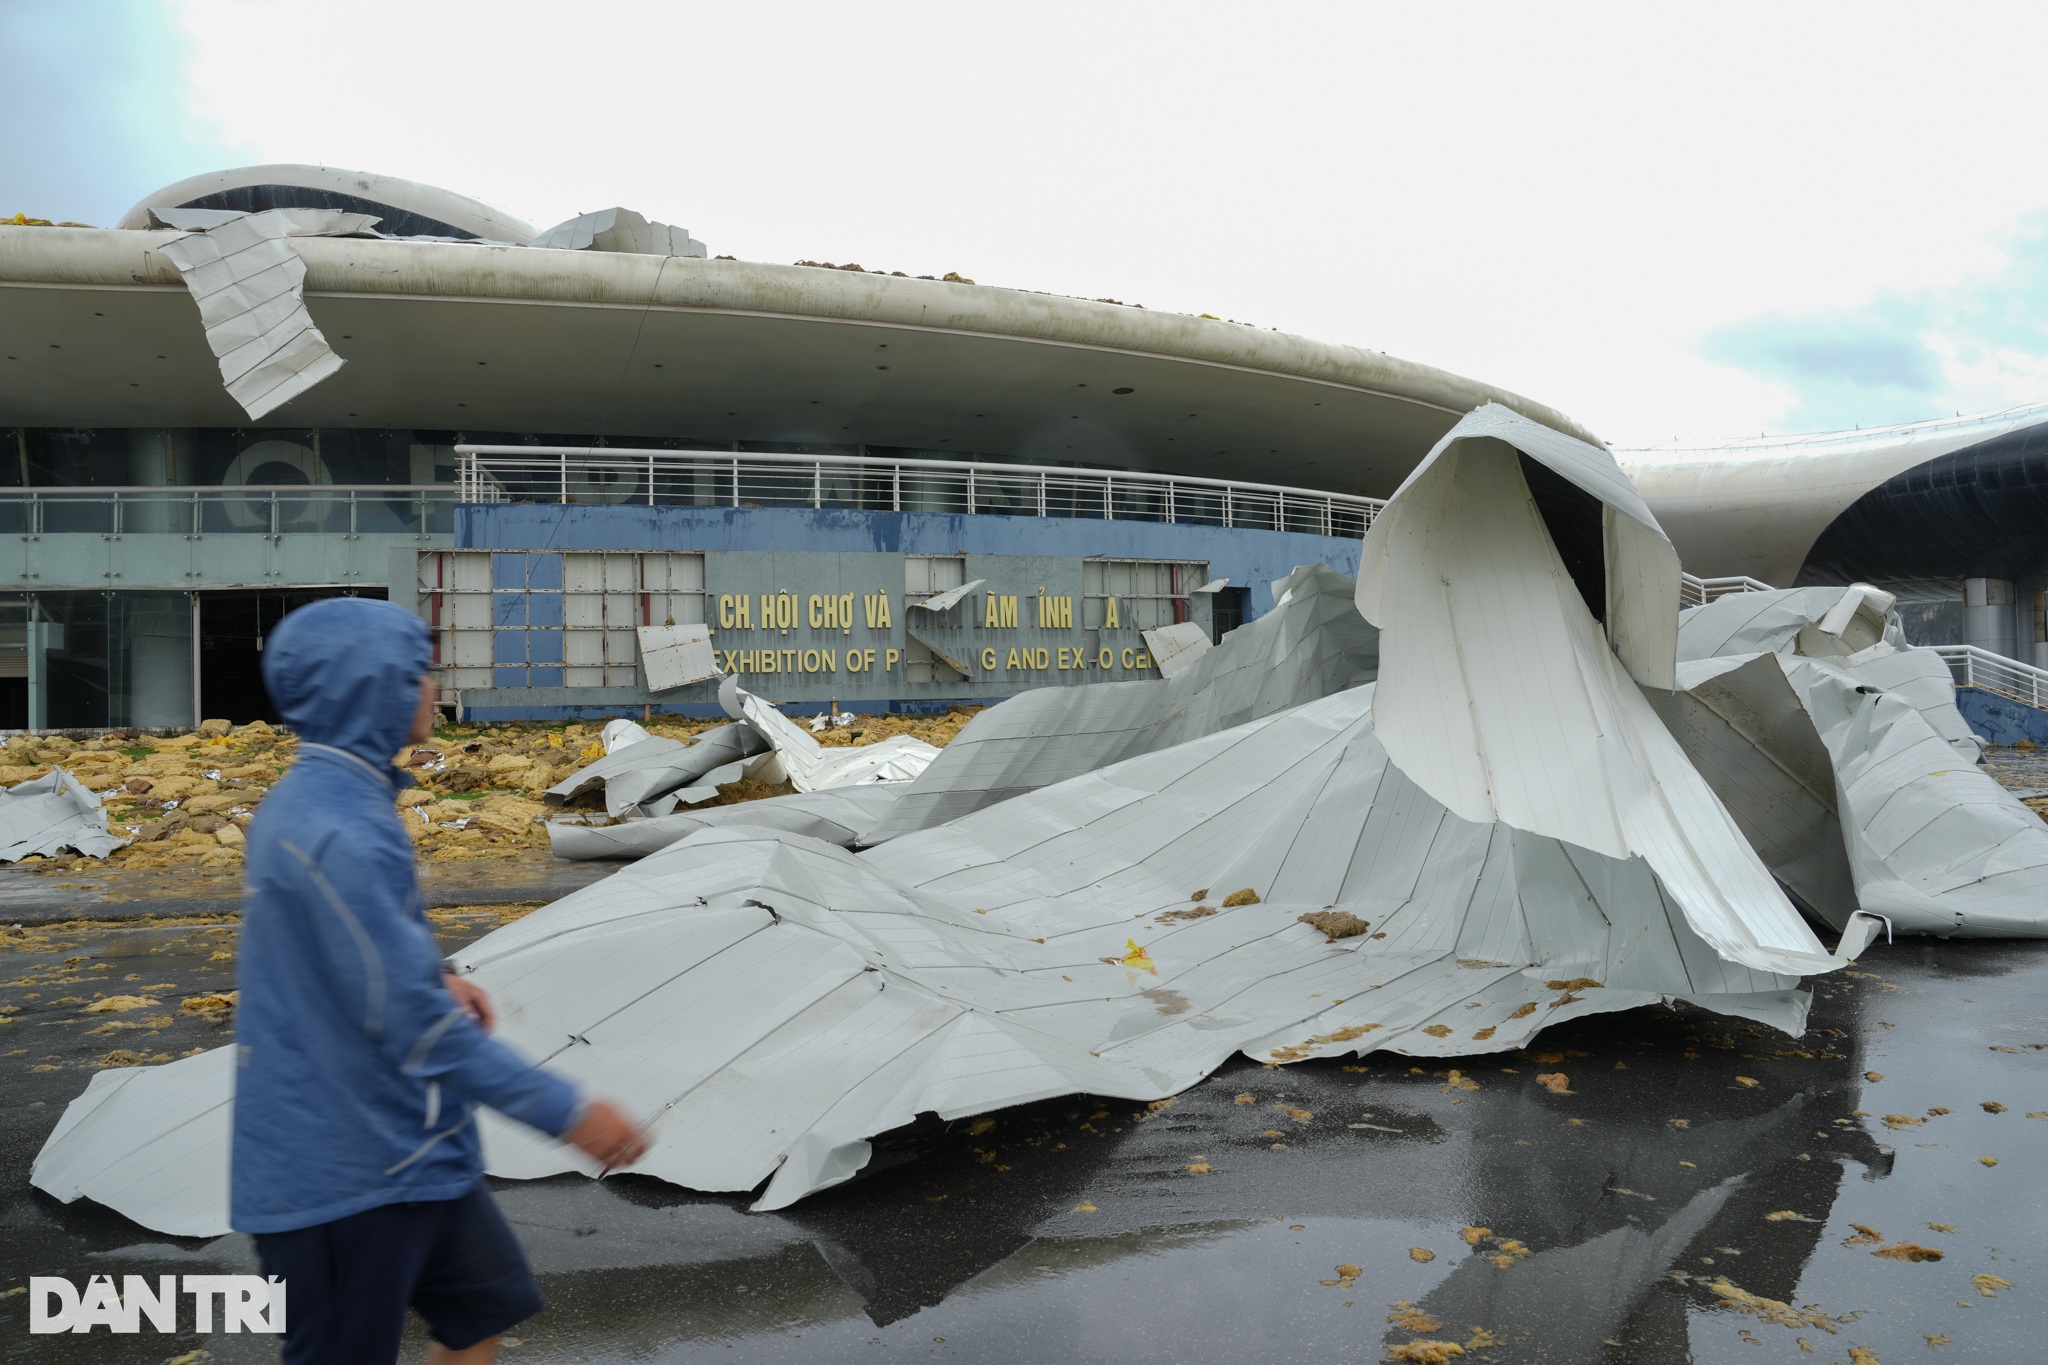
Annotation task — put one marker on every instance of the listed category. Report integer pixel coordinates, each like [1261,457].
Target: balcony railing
[1980,668]
[233,509]
[702,478]
[1697,592]
[1971,666]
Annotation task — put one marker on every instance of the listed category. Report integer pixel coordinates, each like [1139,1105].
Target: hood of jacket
[346,672]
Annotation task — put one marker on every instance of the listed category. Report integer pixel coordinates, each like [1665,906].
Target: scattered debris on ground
[186,799]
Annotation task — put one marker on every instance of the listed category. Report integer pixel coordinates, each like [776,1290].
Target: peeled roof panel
[671,656]
[1564,743]
[774,1000]
[1176,646]
[149,1138]
[809,765]
[836,816]
[48,814]
[949,597]
[651,766]
[1931,842]
[248,282]
[746,1105]
[944,654]
[1310,647]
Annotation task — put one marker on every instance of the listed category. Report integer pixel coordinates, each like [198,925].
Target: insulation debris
[51,813]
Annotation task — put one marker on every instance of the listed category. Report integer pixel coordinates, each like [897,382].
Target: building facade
[275,384]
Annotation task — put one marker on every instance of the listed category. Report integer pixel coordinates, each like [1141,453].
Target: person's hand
[608,1134]
[475,1001]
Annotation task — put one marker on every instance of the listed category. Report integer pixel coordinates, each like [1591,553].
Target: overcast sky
[1672,222]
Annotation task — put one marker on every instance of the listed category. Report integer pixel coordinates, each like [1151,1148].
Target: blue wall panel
[1247,557]
[2000,720]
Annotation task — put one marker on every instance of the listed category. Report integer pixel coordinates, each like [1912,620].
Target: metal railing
[1980,668]
[706,478]
[231,509]
[1697,592]
[1970,665]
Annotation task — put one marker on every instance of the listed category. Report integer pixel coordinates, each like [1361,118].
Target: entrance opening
[232,629]
[1228,611]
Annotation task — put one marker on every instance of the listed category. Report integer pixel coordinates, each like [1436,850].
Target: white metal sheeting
[671,656]
[1898,820]
[838,816]
[1047,914]
[248,282]
[617,229]
[1176,646]
[808,765]
[51,813]
[1502,697]
[150,1142]
[640,768]
[770,1001]
[950,597]
[1311,645]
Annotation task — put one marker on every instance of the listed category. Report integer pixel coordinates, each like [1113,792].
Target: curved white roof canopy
[490,339]
[413,209]
[410,207]
[1758,507]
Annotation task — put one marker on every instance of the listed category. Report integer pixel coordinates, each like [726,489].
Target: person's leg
[475,1282]
[347,1284]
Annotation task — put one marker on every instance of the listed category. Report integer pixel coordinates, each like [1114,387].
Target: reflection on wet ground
[1692,1188]
[31,895]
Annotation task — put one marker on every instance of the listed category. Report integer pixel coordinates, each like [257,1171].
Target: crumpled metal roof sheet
[808,765]
[836,816]
[1176,646]
[642,768]
[51,813]
[1901,822]
[249,285]
[1311,645]
[769,1000]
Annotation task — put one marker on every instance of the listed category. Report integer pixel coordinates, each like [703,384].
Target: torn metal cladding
[1113,889]
[49,814]
[249,283]
[1839,751]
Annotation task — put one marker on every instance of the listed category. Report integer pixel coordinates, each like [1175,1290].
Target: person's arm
[385,961]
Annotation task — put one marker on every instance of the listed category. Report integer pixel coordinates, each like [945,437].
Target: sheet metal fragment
[49,814]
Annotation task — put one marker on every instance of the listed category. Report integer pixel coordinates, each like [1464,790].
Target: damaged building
[1339,831]
[609,465]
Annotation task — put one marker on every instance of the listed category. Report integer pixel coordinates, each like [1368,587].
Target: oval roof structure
[408,208]
[482,339]
[1956,497]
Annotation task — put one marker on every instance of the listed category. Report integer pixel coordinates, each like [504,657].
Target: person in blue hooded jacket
[355,1162]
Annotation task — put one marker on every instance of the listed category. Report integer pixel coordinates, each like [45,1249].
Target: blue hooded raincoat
[358,1073]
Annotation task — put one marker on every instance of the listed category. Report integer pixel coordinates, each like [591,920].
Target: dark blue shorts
[348,1283]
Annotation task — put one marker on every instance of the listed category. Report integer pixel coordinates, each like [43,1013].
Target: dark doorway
[1226,612]
[232,628]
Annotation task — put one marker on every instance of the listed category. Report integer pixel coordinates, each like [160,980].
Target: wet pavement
[31,895]
[1694,1168]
